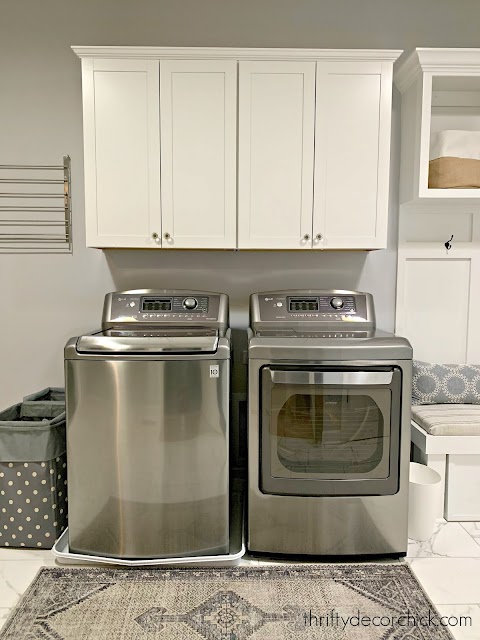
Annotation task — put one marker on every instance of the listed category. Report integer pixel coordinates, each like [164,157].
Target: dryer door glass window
[333,432]
[327,425]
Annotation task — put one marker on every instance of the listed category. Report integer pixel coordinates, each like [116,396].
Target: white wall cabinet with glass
[440,125]
[161,135]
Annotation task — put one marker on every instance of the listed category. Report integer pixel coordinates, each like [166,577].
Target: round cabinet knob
[190,303]
[336,303]
[306,237]
[318,237]
[155,236]
[166,235]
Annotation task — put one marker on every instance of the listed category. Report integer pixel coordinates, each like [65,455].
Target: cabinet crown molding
[209,53]
[437,61]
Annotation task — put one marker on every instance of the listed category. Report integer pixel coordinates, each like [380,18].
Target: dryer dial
[336,303]
[190,304]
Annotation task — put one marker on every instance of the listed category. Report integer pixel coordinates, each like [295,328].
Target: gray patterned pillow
[445,383]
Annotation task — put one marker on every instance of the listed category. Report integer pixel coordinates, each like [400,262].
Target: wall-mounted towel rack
[32,219]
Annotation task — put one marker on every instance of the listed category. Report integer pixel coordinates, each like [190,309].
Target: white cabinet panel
[437,304]
[462,501]
[276,138]
[198,152]
[122,152]
[352,153]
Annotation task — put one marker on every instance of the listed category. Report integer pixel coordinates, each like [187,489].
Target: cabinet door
[122,152]
[275,173]
[352,155]
[198,146]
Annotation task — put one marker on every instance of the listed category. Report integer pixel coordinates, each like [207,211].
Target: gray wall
[46,299]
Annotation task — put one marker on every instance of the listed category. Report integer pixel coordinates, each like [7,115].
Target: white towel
[455,144]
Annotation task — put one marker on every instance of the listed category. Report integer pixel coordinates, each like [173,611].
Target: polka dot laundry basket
[33,471]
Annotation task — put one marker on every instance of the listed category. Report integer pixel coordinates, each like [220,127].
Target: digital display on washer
[302,304]
[156,304]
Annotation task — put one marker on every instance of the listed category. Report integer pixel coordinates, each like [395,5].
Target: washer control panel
[164,307]
[175,304]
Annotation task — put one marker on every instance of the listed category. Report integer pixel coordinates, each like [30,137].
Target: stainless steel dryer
[148,427]
[329,426]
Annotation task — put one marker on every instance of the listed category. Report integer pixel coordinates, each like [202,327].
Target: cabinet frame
[153,56]
[414,78]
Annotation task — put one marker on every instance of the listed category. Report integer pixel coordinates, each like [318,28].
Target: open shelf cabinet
[440,91]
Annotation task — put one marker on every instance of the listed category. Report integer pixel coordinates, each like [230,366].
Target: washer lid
[171,340]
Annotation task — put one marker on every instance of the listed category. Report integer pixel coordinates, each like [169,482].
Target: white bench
[455,457]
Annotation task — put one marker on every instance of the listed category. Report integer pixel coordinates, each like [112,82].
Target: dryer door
[330,431]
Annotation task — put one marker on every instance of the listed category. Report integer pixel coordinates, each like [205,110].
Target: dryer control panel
[321,304]
[291,309]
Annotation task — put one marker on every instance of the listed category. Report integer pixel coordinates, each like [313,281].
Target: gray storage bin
[47,403]
[33,475]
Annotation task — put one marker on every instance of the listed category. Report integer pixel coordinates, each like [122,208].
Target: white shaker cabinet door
[122,152]
[276,140]
[198,110]
[352,155]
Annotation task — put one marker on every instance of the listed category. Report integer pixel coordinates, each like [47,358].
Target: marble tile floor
[447,566]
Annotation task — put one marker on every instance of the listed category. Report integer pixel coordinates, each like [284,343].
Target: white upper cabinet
[175,159]
[275,170]
[198,132]
[440,126]
[352,154]
[122,152]
[339,201]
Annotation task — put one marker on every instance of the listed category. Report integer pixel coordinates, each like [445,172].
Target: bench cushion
[445,383]
[448,419]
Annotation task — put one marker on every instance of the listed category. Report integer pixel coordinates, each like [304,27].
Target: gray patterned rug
[330,601]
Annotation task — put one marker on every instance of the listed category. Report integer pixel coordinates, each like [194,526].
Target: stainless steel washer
[329,426]
[148,427]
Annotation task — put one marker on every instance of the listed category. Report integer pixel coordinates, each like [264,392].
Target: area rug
[331,602]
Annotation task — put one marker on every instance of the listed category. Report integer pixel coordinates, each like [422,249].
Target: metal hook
[448,244]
